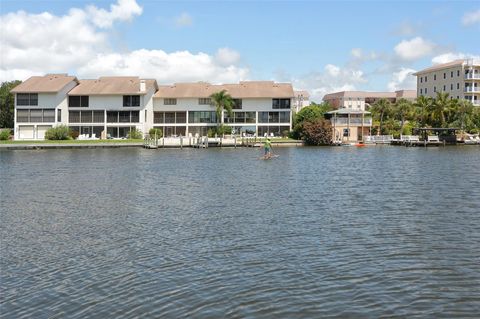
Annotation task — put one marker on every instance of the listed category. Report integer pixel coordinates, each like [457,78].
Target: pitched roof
[244,89]
[441,66]
[50,83]
[113,85]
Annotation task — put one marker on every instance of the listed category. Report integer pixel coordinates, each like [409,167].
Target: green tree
[423,105]
[380,110]
[403,110]
[441,107]
[463,115]
[222,101]
[7,104]
[317,132]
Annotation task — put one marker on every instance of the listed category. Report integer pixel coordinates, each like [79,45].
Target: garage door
[41,129]
[25,132]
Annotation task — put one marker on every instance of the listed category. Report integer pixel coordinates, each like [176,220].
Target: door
[41,129]
[25,132]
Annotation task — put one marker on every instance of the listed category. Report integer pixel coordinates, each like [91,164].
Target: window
[169,101]
[181,117]
[425,90]
[86,117]
[169,117]
[202,117]
[77,101]
[434,89]
[458,86]
[444,75]
[23,116]
[27,99]
[204,101]
[451,87]
[263,117]
[158,117]
[131,100]
[250,117]
[345,132]
[421,91]
[434,77]
[444,88]
[421,79]
[36,115]
[458,72]
[237,104]
[425,79]
[49,115]
[112,117]
[59,115]
[284,117]
[124,117]
[98,116]
[280,103]
[74,116]
[451,74]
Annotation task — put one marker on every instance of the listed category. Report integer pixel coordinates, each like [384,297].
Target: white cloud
[181,66]
[183,20]
[332,79]
[356,53]
[124,10]
[402,80]
[470,18]
[227,56]
[449,57]
[35,44]
[414,49]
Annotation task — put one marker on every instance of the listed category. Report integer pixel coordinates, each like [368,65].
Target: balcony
[472,89]
[470,76]
[353,121]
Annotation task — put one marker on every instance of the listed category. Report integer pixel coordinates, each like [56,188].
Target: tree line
[439,112]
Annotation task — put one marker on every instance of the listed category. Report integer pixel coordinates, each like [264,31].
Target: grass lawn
[73,142]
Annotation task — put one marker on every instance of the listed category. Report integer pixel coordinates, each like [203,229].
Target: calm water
[317,232]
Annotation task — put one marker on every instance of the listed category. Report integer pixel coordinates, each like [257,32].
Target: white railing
[353,121]
[472,89]
[380,139]
[470,76]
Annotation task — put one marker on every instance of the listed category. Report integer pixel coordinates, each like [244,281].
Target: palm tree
[222,101]
[464,112]
[403,110]
[440,109]
[381,108]
[423,104]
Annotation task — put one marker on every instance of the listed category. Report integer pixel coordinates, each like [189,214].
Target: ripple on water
[319,232]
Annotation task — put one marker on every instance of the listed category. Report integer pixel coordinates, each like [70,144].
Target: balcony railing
[472,89]
[472,76]
[353,121]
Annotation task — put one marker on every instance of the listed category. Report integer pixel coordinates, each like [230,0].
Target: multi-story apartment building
[40,103]
[261,107]
[361,100]
[109,107]
[300,100]
[459,78]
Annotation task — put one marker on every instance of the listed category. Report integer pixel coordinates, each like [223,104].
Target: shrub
[317,132]
[152,132]
[135,134]
[61,132]
[4,134]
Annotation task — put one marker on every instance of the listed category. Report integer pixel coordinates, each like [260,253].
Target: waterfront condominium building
[40,103]
[361,100]
[459,78]
[260,107]
[300,100]
[110,107]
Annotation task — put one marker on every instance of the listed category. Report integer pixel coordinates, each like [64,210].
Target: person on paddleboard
[267,145]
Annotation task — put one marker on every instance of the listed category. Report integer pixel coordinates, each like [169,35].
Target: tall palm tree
[423,104]
[222,101]
[440,109]
[464,112]
[403,110]
[380,109]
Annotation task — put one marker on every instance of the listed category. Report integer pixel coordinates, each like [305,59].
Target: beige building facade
[459,78]
[362,100]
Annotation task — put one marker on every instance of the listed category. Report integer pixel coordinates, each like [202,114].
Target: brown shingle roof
[441,66]
[114,85]
[244,89]
[50,83]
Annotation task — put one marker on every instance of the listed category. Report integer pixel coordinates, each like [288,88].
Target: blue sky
[321,46]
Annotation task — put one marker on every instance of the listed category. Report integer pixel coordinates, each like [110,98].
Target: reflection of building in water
[110,107]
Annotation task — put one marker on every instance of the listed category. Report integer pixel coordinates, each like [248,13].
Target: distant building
[300,100]
[361,100]
[459,78]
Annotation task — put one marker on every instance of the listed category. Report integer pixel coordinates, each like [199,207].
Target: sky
[318,46]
